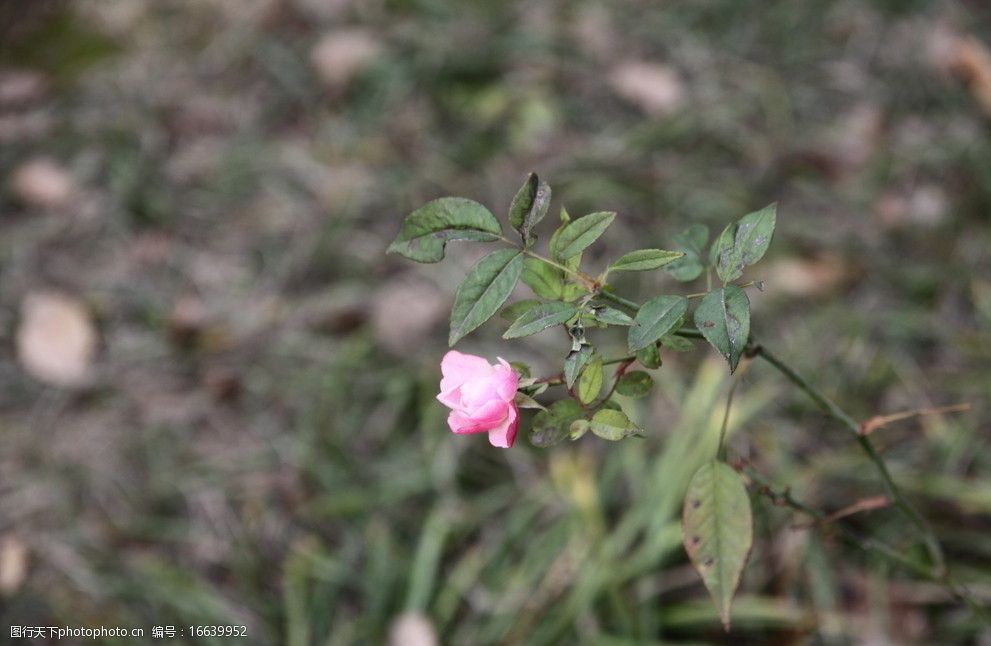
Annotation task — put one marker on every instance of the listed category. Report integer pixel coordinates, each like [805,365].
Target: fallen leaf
[56,339]
[13,564]
[43,183]
[656,89]
[404,313]
[412,629]
[341,55]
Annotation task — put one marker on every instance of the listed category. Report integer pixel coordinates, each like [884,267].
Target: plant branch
[827,405]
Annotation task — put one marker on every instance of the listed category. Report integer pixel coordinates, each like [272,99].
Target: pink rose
[481,397]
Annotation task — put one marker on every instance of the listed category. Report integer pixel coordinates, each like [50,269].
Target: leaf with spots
[744,242]
[717,529]
[427,230]
[529,207]
[723,318]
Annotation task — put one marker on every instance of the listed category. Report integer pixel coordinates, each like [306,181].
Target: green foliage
[540,318]
[717,528]
[574,364]
[427,230]
[645,260]
[610,316]
[529,207]
[723,317]
[649,357]
[690,242]
[635,383]
[579,234]
[656,317]
[590,383]
[484,290]
[554,424]
[613,425]
[744,242]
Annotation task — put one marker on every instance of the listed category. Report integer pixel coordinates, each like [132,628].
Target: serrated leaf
[590,382]
[529,206]
[554,424]
[744,242]
[484,290]
[610,316]
[545,281]
[656,317]
[579,234]
[677,343]
[426,231]
[636,383]
[717,528]
[645,260]
[540,318]
[574,363]
[723,318]
[649,357]
[691,242]
[612,425]
[515,310]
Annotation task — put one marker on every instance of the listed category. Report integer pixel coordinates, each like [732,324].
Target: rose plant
[484,397]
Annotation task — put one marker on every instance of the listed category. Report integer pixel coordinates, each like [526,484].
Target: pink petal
[451,398]
[504,435]
[457,368]
[479,421]
[506,381]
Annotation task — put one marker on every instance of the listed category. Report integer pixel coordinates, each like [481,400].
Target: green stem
[827,405]
[928,536]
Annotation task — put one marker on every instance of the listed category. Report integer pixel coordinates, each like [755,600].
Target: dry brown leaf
[13,564]
[341,55]
[56,340]
[43,183]
[972,63]
[806,276]
[404,313]
[656,89]
[412,629]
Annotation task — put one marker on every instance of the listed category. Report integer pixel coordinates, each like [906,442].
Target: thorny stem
[870,545]
[938,573]
[827,405]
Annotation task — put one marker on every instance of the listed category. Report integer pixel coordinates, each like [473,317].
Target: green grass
[327,496]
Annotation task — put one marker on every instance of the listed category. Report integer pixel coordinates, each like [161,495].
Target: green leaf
[484,290]
[717,528]
[578,428]
[723,318]
[529,207]
[691,242]
[522,400]
[613,425]
[677,343]
[634,384]
[645,260]
[515,310]
[579,234]
[744,242]
[610,316]
[656,317]
[426,231]
[540,318]
[574,363]
[590,383]
[554,424]
[545,281]
[649,357]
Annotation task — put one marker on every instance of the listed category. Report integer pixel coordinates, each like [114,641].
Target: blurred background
[216,391]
